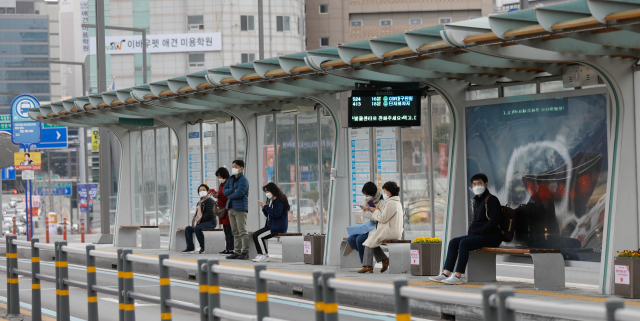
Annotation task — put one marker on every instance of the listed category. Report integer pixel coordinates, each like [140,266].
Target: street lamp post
[61,62]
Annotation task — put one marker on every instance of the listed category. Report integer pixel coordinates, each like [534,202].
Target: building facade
[334,22]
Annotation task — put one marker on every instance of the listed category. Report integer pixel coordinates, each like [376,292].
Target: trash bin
[627,277]
[314,249]
[425,257]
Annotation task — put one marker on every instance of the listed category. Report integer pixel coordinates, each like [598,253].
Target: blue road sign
[53,137]
[8,174]
[24,129]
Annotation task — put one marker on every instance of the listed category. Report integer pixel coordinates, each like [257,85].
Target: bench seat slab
[292,249]
[548,271]
[150,238]
[352,259]
[127,237]
[399,257]
[481,266]
[214,242]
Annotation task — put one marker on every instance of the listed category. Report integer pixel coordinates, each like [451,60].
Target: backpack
[507,223]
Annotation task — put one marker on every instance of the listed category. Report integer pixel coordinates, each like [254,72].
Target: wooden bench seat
[204,229]
[399,254]
[548,265]
[139,226]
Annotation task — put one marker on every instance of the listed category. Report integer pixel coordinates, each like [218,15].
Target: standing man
[237,190]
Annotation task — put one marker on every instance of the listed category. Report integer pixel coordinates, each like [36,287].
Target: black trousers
[459,248]
[260,238]
[228,237]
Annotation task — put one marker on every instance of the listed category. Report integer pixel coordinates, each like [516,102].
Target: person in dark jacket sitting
[276,210]
[483,232]
[202,219]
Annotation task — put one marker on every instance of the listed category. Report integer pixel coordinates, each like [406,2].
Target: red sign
[268,161]
[444,155]
[292,175]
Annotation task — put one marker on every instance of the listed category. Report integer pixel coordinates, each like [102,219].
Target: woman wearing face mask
[390,227]
[203,218]
[276,210]
[223,174]
[371,194]
[483,232]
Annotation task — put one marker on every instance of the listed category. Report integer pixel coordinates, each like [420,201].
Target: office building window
[195,23]
[196,60]
[324,9]
[386,22]
[355,23]
[282,23]
[445,20]
[324,41]
[300,27]
[416,21]
[247,57]
[246,23]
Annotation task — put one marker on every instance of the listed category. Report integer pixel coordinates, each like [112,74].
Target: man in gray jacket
[237,190]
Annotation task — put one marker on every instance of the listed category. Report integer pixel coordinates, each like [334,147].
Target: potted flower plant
[314,248]
[425,256]
[627,274]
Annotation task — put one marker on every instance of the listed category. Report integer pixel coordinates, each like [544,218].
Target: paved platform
[574,293]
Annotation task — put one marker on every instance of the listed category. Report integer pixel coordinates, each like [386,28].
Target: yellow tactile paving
[25,312]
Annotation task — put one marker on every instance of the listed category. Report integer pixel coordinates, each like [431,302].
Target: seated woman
[277,212]
[371,193]
[223,174]
[203,218]
[390,227]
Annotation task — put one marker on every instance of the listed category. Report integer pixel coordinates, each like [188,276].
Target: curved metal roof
[479,51]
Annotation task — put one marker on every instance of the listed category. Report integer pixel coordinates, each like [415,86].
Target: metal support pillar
[165,288]
[92,296]
[320,175]
[63,264]
[56,249]
[431,168]
[36,302]
[317,295]
[403,313]
[213,288]
[262,294]
[260,30]
[504,314]
[203,288]
[330,298]
[127,286]
[297,172]
[120,288]
[13,306]
[612,305]
[490,312]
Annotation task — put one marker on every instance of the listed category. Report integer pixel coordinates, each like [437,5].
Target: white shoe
[258,258]
[452,280]
[264,258]
[439,278]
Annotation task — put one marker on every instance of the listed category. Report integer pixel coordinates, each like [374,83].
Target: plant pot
[314,249]
[627,277]
[425,258]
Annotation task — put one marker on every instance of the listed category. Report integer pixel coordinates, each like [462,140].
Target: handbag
[361,228]
[219,211]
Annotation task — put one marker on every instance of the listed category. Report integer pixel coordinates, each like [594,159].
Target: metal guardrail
[497,303]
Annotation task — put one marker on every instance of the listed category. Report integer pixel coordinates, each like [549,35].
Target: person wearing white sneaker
[276,210]
[453,279]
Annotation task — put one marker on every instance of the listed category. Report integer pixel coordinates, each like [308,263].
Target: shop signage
[184,42]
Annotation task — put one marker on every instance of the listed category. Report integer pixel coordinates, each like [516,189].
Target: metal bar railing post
[612,305]
[120,288]
[403,313]
[12,278]
[262,294]
[490,313]
[56,250]
[504,314]
[127,285]
[330,298]
[165,289]
[213,288]
[92,296]
[36,303]
[203,289]
[64,312]
[317,295]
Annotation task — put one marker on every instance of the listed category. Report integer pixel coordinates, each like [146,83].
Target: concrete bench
[214,240]
[399,256]
[292,247]
[150,235]
[548,265]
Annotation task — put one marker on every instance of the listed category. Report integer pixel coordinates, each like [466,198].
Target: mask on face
[269,195]
[385,196]
[367,198]
[478,190]
[234,171]
[222,180]
[202,193]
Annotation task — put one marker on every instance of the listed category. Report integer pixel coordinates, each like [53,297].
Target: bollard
[612,305]
[490,312]
[330,298]
[403,313]
[120,288]
[15,227]
[82,230]
[46,223]
[165,288]
[13,308]
[262,294]
[213,288]
[504,314]
[64,228]
[127,281]
[92,296]
[36,303]
[148,221]
[56,252]
[317,295]
[203,288]
[64,311]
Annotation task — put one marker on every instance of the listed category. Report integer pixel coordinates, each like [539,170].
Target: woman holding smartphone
[373,199]
[276,209]
[223,174]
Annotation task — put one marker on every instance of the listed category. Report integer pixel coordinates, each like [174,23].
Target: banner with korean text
[118,45]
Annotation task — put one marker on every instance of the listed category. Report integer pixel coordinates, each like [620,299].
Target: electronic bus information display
[384,108]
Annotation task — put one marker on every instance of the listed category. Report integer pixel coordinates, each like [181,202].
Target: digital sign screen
[384,108]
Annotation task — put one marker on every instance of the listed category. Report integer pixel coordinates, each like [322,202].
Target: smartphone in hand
[371,203]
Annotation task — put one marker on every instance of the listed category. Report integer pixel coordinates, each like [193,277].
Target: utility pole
[524,4]
[260,30]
